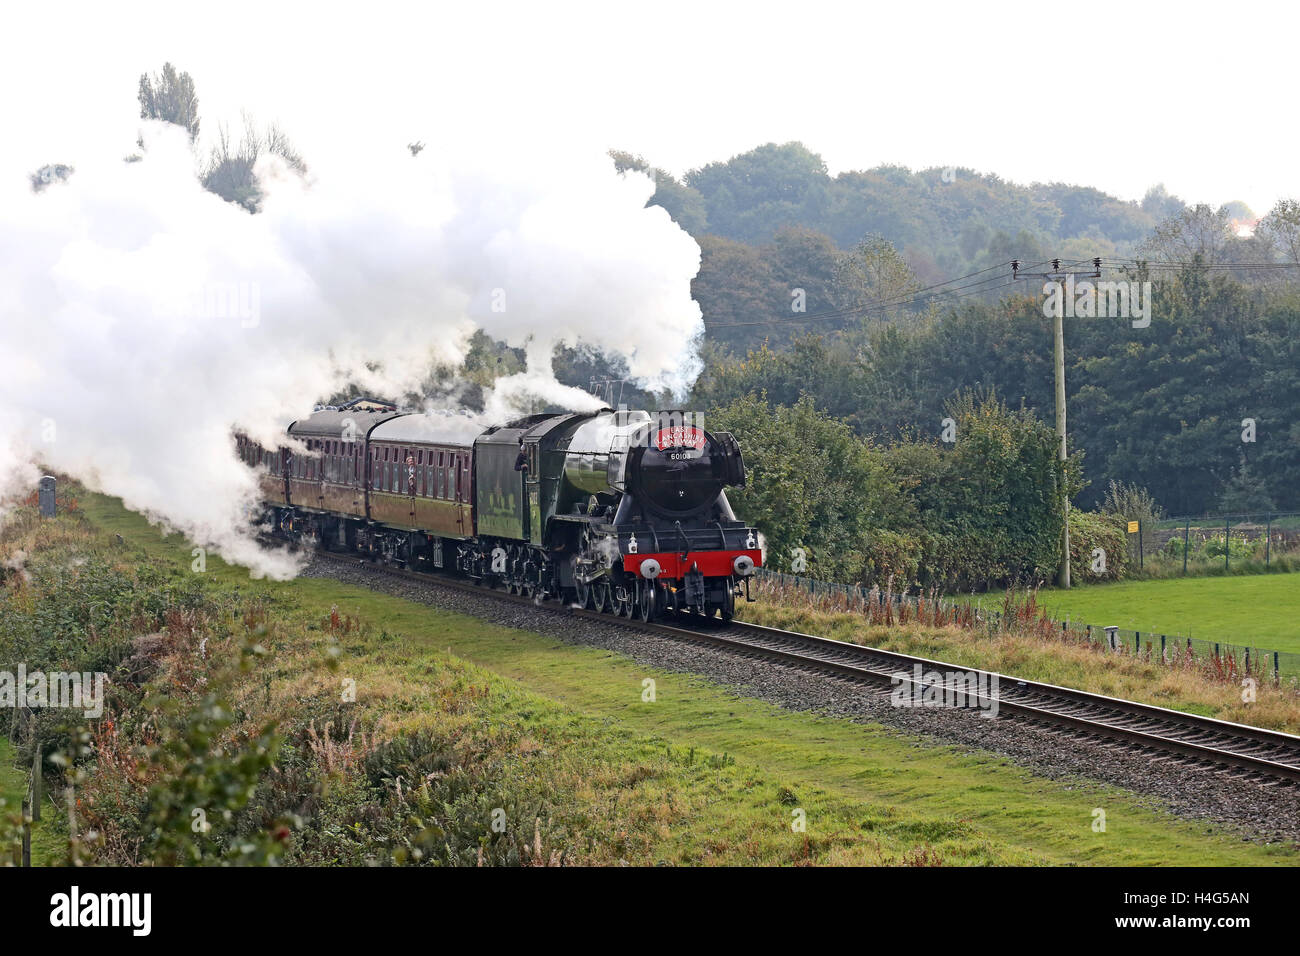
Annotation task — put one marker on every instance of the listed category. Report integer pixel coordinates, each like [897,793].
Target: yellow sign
[1132,527]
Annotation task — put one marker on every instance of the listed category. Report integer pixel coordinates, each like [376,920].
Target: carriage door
[532,487]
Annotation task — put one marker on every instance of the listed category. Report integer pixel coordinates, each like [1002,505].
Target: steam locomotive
[622,511]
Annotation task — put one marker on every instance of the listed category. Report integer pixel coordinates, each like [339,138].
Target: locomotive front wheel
[646,601]
[600,596]
[582,594]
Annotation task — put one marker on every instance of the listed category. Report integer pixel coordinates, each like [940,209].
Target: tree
[874,276]
[169,96]
[1281,227]
[230,169]
[1244,492]
[1160,204]
[1198,230]
[684,204]
[751,196]
[1132,503]
[735,286]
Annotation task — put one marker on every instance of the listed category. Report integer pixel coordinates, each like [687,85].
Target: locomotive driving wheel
[581,593]
[600,596]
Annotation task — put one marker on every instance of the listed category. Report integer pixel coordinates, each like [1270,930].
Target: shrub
[1090,531]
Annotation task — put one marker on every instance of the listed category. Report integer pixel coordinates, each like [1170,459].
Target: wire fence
[1227,659]
[1214,544]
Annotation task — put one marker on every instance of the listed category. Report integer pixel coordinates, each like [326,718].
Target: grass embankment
[455,718]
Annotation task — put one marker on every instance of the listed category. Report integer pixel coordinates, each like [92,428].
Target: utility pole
[1063,578]
[1065,283]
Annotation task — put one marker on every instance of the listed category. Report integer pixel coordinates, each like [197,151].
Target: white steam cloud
[142,319]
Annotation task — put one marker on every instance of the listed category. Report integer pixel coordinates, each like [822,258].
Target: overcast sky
[1114,95]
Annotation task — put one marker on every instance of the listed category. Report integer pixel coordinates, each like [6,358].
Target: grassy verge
[1070,664]
[455,719]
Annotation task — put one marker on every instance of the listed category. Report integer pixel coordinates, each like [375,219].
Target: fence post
[1277,673]
[1227,544]
[1268,539]
[27,832]
[1112,634]
[1162,648]
[36,783]
[1140,565]
[1187,543]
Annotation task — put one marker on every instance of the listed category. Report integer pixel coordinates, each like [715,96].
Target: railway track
[1161,735]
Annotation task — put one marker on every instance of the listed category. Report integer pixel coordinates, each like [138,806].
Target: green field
[868,785]
[1261,610]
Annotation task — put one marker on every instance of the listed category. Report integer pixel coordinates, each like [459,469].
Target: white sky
[1113,95]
